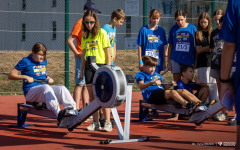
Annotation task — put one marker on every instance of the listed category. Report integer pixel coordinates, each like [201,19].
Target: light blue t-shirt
[231,33]
[147,78]
[111,32]
[152,42]
[183,42]
[36,70]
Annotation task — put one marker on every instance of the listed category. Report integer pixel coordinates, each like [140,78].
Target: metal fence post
[66,45]
[144,12]
[213,9]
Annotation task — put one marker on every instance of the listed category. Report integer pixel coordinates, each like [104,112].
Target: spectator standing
[80,89]
[203,62]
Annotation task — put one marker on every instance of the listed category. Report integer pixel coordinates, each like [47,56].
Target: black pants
[90,72]
[157,97]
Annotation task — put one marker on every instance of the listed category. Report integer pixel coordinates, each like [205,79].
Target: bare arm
[72,46]
[15,75]
[201,49]
[199,82]
[108,53]
[166,51]
[226,66]
[170,46]
[143,85]
[50,80]
[140,56]
[164,57]
[82,64]
[227,59]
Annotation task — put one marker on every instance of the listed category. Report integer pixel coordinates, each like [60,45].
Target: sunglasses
[87,22]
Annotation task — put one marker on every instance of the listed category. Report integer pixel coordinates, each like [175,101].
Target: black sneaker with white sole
[61,115]
[191,106]
[66,113]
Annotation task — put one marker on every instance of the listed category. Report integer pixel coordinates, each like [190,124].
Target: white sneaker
[220,116]
[71,112]
[107,126]
[94,126]
[89,119]
[224,116]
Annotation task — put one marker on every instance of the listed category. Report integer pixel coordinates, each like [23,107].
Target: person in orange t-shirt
[80,90]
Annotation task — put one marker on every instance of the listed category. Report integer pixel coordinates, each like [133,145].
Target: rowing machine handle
[37,80]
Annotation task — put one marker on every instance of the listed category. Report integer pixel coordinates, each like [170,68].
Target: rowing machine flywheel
[109,86]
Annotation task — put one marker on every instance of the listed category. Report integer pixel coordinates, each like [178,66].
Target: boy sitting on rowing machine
[186,82]
[153,91]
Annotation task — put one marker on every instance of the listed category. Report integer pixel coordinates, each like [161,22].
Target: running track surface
[164,134]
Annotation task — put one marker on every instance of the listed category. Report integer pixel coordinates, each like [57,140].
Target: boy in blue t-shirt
[117,18]
[186,82]
[153,91]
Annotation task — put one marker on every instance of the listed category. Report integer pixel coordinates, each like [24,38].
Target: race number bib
[183,47]
[153,53]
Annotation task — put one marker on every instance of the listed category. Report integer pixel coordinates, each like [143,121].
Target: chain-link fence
[25,22]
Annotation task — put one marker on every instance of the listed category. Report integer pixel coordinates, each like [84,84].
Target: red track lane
[164,134]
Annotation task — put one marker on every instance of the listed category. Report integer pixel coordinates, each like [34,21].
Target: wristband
[140,62]
[224,81]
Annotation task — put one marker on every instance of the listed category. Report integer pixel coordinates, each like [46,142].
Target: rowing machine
[201,113]
[110,87]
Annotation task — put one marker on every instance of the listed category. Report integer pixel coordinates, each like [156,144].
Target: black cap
[91,6]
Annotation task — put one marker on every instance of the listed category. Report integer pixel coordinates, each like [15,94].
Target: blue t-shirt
[190,86]
[36,70]
[152,42]
[183,42]
[111,32]
[231,33]
[147,78]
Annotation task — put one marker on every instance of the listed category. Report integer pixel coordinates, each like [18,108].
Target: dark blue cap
[91,6]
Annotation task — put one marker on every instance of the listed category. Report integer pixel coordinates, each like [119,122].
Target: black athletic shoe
[61,115]
[191,106]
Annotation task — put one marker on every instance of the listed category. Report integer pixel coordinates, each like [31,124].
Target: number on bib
[183,47]
[152,53]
